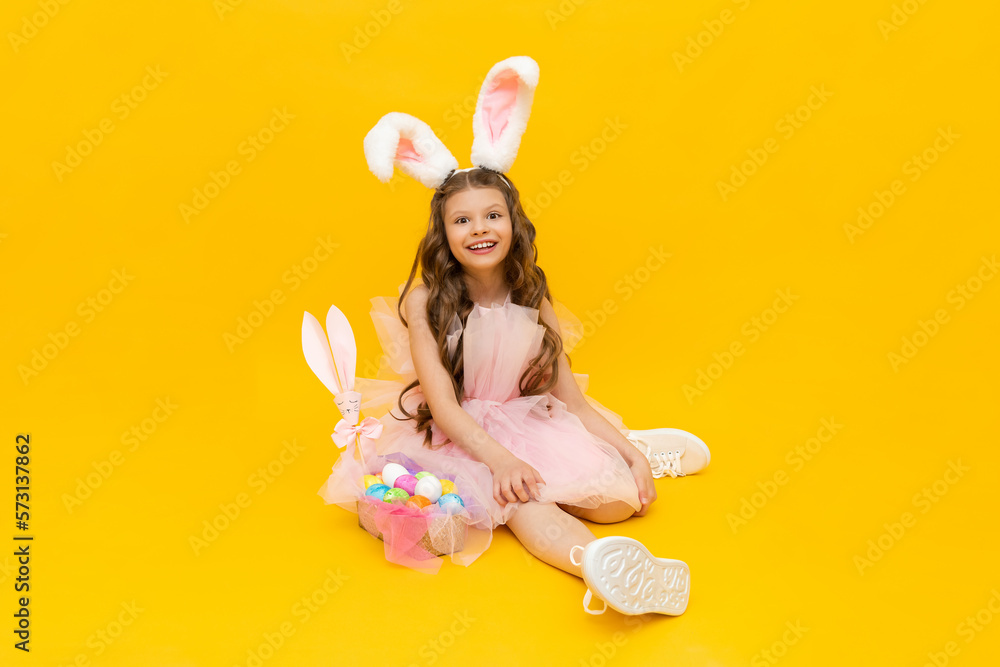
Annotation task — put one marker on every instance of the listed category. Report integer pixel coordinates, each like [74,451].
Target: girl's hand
[643,475]
[510,476]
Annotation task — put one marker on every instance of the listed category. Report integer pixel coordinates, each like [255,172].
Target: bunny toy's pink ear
[342,346]
[318,355]
[333,362]
[409,143]
[502,112]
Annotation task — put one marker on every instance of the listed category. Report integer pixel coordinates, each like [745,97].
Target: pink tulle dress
[579,468]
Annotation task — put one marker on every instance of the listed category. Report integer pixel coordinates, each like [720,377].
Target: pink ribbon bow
[343,432]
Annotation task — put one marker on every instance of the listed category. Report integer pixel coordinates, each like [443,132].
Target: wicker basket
[445,535]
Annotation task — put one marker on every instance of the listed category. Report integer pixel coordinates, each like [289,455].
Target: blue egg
[451,503]
[377,490]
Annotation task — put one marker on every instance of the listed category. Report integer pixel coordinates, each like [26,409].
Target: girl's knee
[612,512]
[615,511]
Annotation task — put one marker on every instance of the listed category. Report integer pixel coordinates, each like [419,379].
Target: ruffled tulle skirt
[578,467]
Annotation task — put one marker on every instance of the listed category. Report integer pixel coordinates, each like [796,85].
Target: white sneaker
[630,580]
[671,451]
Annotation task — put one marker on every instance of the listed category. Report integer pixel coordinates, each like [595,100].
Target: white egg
[391,471]
[428,487]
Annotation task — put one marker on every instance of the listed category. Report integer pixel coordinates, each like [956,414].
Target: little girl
[483,385]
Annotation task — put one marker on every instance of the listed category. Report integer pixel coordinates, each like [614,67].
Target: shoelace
[667,463]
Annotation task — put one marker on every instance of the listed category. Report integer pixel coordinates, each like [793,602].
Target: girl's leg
[549,533]
[613,512]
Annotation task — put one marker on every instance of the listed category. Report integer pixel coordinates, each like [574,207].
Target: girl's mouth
[482,251]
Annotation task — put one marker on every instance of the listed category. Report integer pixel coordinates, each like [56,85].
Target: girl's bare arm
[436,385]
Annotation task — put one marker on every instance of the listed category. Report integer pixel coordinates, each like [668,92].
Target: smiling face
[474,216]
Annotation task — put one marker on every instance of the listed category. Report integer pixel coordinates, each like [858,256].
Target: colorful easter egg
[377,491]
[429,487]
[391,471]
[378,475]
[447,486]
[407,483]
[418,502]
[396,496]
[371,480]
[451,503]
[422,474]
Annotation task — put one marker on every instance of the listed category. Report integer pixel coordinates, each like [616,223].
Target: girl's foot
[671,451]
[621,572]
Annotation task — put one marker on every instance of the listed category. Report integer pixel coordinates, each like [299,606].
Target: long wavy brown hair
[448,294]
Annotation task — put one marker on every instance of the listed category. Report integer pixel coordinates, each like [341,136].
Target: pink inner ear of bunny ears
[498,104]
[405,151]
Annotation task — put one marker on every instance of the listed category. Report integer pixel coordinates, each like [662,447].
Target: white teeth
[485,244]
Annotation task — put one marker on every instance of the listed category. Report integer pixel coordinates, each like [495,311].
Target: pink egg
[407,483]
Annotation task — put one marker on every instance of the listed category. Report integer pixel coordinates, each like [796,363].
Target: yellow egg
[447,486]
[371,479]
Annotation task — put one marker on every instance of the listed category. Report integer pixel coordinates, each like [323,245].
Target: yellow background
[162,336]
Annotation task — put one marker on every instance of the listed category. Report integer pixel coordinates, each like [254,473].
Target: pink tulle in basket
[410,533]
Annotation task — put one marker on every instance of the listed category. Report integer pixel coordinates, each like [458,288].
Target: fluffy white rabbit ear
[409,143]
[502,112]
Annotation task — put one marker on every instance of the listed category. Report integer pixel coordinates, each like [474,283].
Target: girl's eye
[491,213]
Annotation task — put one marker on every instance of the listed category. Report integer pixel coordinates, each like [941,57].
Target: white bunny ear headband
[501,117]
